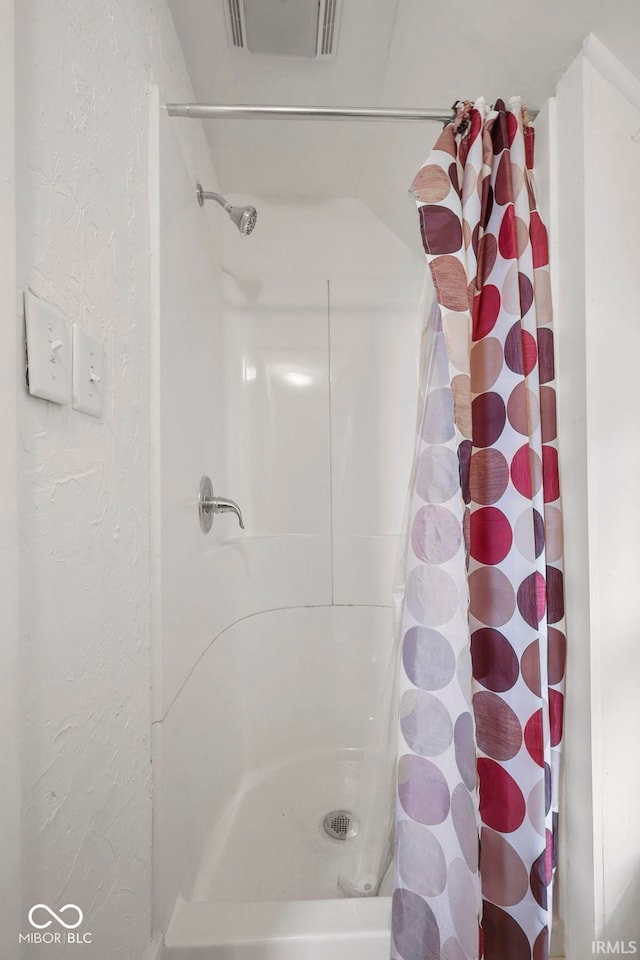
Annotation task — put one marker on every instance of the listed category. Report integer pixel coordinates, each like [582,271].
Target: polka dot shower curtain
[483,647]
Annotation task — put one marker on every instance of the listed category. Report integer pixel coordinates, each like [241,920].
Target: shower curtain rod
[205,111]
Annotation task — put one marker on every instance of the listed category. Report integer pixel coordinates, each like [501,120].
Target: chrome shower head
[243,217]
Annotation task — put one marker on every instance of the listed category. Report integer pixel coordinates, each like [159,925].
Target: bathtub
[285,702]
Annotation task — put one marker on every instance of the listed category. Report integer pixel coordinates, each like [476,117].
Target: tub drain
[340,825]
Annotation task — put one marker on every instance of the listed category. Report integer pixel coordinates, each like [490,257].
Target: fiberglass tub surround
[299,721]
[265,721]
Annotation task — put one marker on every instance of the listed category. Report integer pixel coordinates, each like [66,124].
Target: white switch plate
[48,350]
[88,373]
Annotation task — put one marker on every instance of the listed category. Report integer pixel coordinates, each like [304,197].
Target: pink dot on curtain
[491,597]
[557,655]
[530,667]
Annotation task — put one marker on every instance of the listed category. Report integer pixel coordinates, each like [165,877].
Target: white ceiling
[401,53]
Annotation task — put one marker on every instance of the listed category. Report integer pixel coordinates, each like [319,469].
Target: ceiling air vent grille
[328,32]
[284,28]
[234,14]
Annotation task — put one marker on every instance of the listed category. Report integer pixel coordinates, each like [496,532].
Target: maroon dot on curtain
[555,594]
[520,350]
[545,354]
[487,203]
[503,936]
[441,229]
[464,457]
[538,880]
[500,139]
[453,177]
[489,416]
[526,293]
[538,533]
[532,599]
[495,663]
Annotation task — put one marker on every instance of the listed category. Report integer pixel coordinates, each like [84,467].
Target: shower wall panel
[322,331]
[277,441]
[374,336]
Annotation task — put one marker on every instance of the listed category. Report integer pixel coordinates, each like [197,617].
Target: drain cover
[340,824]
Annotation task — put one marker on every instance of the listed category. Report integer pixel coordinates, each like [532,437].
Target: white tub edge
[305,929]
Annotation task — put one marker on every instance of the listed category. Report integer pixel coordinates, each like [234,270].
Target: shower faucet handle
[208,504]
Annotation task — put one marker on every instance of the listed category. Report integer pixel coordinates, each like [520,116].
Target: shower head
[243,217]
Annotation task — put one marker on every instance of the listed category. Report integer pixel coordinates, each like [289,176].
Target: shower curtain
[482,656]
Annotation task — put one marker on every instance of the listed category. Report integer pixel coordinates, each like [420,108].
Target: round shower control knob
[205,498]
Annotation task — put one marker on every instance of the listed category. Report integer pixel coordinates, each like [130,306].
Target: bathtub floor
[271,845]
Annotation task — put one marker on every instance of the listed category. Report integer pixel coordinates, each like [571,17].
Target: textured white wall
[597,249]
[612,248]
[9,646]
[85,244]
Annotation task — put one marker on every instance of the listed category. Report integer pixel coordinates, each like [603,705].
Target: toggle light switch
[88,373]
[48,350]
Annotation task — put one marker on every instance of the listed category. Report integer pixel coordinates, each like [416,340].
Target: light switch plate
[88,373]
[48,350]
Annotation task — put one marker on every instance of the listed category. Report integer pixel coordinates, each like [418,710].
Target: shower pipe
[205,111]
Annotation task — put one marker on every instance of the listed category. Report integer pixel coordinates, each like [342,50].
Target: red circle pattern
[488,228]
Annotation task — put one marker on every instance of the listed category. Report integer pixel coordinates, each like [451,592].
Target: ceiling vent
[284,28]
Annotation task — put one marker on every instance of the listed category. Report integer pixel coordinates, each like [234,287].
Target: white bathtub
[285,930]
[283,702]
